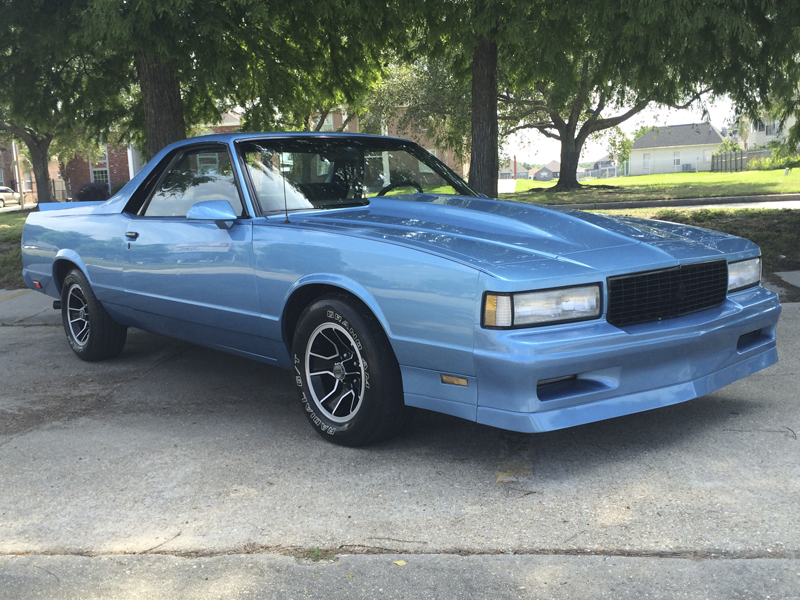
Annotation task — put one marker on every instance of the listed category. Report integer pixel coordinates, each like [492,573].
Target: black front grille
[665,294]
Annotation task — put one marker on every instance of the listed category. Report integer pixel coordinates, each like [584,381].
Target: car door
[194,279]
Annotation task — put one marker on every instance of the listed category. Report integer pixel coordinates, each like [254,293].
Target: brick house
[116,167]
[8,177]
[120,164]
[9,172]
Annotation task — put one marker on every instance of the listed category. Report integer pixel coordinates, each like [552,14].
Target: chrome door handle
[131,235]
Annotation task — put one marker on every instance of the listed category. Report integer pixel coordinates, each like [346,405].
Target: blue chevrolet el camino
[383,282]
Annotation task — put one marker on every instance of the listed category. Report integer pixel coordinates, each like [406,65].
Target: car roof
[238,136]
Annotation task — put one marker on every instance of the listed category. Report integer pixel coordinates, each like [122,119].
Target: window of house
[676,159]
[100,175]
[328,124]
[771,127]
[28,182]
[99,170]
[646,161]
[2,181]
[706,156]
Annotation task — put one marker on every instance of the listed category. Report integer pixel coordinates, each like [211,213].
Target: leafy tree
[571,74]
[52,82]
[620,145]
[75,142]
[475,38]
[283,62]
[728,145]
[424,95]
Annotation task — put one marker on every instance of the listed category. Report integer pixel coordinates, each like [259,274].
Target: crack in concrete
[359,549]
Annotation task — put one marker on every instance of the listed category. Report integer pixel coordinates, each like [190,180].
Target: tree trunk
[484,163]
[570,155]
[163,106]
[41,172]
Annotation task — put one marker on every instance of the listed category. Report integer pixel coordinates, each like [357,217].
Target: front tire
[91,332]
[347,374]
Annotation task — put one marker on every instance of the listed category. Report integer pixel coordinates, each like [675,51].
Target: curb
[681,202]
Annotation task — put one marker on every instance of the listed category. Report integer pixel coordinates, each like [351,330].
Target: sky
[532,147]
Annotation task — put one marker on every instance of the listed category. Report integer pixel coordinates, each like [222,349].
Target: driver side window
[199,175]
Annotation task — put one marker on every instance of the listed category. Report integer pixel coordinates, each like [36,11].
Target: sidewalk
[26,307]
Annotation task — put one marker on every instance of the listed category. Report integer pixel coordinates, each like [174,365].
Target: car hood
[497,236]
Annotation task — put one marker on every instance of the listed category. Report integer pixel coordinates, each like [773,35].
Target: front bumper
[620,371]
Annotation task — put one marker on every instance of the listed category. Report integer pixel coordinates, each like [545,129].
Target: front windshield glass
[308,173]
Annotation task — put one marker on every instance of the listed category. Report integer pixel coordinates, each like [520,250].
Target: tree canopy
[473,70]
[279,61]
[571,73]
[53,83]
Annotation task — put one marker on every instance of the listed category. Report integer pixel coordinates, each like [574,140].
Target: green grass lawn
[10,253]
[661,187]
[776,231]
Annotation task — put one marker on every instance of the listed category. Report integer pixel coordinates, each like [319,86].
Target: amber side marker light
[450,380]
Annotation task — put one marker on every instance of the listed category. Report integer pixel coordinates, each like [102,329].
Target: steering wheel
[400,183]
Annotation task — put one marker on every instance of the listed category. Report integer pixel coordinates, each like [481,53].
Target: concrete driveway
[179,472]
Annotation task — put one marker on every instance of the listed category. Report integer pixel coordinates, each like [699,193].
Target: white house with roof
[766,130]
[675,149]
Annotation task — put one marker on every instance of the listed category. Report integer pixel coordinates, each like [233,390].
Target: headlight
[541,308]
[744,274]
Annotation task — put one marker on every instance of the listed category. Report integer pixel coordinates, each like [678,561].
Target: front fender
[346,284]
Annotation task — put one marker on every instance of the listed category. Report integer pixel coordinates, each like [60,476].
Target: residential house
[10,172]
[116,167]
[550,171]
[603,163]
[8,177]
[507,171]
[675,148]
[766,130]
[120,163]
[602,167]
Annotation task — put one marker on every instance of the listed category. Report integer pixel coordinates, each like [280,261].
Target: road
[180,472]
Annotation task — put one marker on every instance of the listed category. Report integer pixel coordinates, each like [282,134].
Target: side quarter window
[199,175]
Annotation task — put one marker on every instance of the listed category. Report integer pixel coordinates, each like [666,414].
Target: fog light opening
[748,340]
[552,380]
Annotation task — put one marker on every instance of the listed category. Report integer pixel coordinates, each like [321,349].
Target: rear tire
[347,374]
[91,332]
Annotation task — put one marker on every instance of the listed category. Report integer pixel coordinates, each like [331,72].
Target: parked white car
[8,196]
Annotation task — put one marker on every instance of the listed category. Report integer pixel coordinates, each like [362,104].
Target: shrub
[774,162]
[93,192]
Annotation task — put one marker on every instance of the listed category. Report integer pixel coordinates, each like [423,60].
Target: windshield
[322,172]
